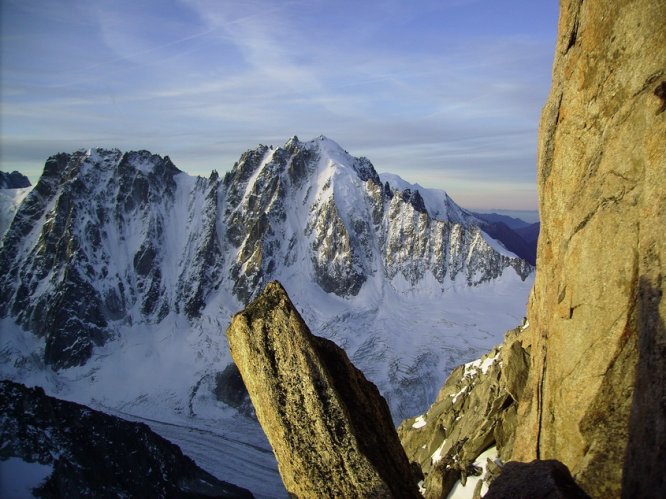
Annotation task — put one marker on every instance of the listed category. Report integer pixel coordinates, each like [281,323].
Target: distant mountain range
[518,236]
[120,275]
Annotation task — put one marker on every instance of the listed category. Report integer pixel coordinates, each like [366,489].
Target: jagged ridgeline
[109,238]
[119,273]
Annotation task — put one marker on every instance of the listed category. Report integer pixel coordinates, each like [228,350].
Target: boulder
[330,429]
[538,479]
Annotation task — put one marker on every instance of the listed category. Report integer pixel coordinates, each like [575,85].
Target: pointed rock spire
[329,427]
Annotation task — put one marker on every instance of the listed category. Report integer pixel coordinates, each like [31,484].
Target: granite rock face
[329,427]
[593,349]
[97,455]
[594,398]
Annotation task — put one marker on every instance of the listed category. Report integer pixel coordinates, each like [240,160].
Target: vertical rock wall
[595,394]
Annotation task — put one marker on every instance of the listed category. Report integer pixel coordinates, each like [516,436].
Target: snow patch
[473,368]
[420,422]
[497,246]
[466,491]
[10,199]
[437,455]
[437,202]
[456,396]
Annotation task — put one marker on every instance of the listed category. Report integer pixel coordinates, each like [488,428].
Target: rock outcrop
[598,342]
[474,410]
[329,427]
[547,478]
[595,340]
[93,454]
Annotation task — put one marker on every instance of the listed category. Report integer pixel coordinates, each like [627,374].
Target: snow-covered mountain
[120,274]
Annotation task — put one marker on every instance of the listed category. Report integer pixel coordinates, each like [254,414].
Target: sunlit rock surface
[329,427]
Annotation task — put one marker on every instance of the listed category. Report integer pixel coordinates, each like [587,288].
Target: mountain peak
[338,157]
[13,180]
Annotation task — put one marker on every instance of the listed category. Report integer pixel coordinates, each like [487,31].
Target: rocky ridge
[93,454]
[475,410]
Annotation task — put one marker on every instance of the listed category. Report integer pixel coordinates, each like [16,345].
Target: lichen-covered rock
[329,427]
[594,398]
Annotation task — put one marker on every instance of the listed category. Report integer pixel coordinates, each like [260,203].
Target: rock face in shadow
[597,308]
[13,180]
[229,388]
[93,454]
[548,478]
[329,427]
[646,447]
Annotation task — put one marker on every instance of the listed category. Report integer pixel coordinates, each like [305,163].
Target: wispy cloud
[442,91]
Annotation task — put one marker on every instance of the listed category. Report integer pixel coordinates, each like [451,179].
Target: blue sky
[446,93]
